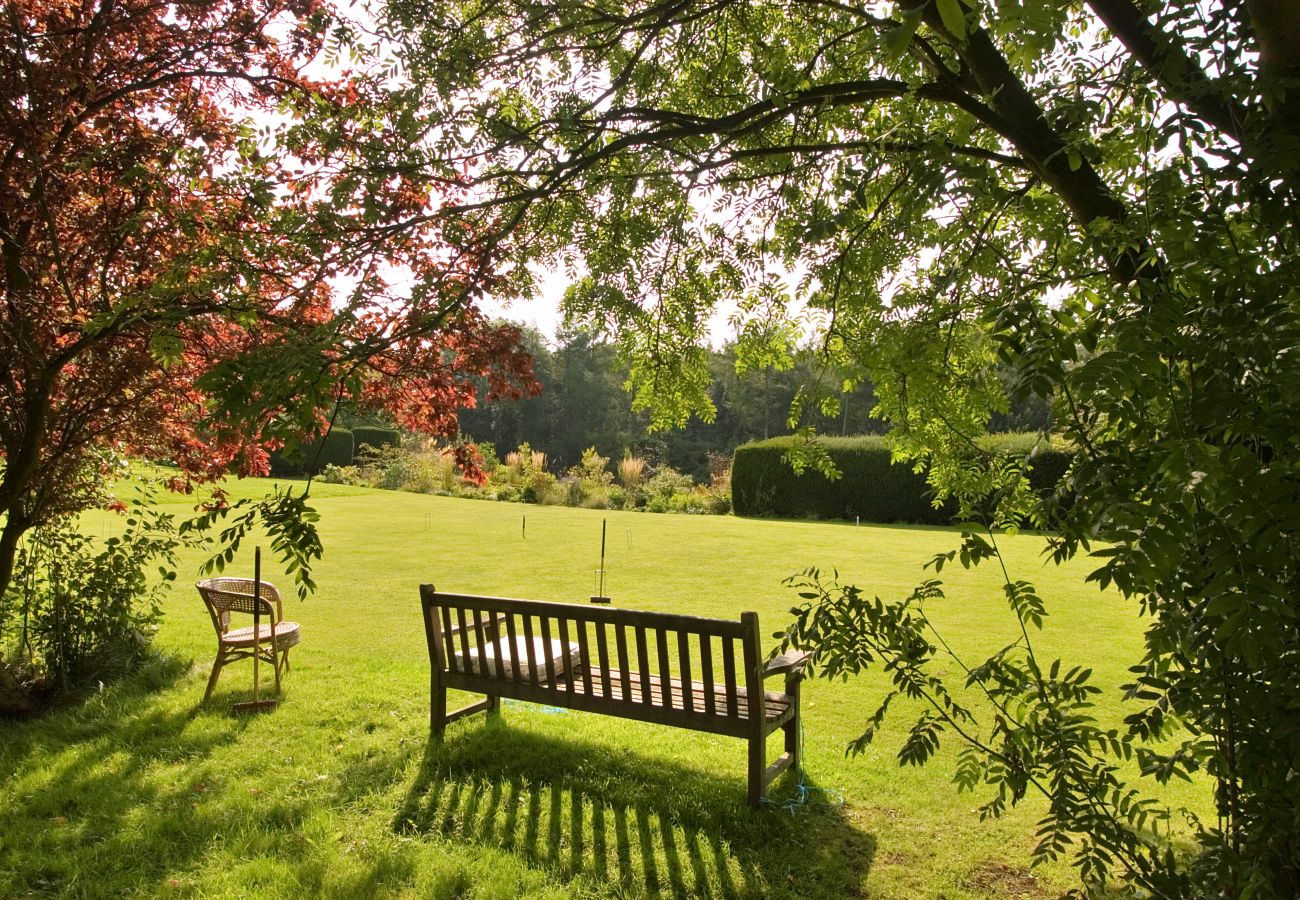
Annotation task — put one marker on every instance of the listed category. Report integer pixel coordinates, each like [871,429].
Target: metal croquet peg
[600,596]
[257,705]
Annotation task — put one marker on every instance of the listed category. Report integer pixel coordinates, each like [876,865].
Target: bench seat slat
[777,707]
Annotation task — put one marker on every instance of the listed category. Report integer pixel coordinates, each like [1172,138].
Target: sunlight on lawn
[340,792]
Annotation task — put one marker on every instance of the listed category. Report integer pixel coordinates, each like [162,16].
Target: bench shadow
[625,823]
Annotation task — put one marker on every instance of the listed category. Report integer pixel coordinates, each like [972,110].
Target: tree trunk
[15,527]
[1277,34]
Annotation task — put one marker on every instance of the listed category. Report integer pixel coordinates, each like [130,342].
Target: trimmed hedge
[364,435]
[337,450]
[870,486]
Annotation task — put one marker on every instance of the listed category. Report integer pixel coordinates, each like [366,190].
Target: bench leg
[437,709]
[792,727]
[757,769]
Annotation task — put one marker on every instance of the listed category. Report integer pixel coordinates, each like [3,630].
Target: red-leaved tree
[198,263]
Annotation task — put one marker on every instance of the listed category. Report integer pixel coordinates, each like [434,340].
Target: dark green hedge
[337,450]
[869,486]
[376,437]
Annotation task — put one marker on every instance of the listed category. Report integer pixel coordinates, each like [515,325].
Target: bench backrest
[629,660]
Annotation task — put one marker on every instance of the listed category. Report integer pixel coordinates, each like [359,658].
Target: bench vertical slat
[584,652]
[464,635]
[706,674]
[546,649]
[665,671]
[602,652]
[643,664]
[620,639]
[480,646]
[729,673]
[511,648]
[529,651]
[756,707]
[564,640]
[684,665]
[448,637]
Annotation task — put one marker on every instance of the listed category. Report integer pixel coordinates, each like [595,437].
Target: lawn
[340,792]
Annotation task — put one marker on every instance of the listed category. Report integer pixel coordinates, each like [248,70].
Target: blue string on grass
[552,710]
[806,794]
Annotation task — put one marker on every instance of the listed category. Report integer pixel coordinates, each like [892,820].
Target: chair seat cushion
[286,634]
[564,657]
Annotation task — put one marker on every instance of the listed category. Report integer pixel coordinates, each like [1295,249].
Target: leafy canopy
[1100,195]
[200,264]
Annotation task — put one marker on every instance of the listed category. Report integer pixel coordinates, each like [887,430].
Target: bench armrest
[788,662]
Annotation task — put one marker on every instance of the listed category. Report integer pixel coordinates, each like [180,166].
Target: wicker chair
[224,596]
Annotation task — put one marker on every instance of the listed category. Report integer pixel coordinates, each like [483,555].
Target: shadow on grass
[122,777]
[627,824]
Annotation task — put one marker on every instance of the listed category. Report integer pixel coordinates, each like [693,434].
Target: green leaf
[954,18]
[898,38]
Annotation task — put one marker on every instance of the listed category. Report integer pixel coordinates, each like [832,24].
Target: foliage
[866,481]
[342,475]
[334,448]
[84,609]
[630,470]
[1034,732]
[369,435]
[1099,195]
[195,248]
[421,467]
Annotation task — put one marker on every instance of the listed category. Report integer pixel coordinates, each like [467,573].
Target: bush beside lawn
[871,486]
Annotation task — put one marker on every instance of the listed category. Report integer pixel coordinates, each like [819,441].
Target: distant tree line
[583,404]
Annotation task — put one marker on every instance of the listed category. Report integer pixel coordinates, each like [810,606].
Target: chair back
[222,596]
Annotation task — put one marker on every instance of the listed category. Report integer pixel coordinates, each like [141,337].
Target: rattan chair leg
[212,679]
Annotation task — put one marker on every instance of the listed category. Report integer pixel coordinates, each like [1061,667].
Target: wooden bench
[685,671]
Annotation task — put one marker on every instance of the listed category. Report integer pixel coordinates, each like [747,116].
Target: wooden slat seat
[684,671]
[778,706]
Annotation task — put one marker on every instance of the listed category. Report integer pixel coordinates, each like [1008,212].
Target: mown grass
[340,792]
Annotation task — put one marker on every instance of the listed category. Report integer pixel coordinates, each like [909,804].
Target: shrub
[487,452]
[334,449]
[86,611]
[630,470]
[870,485]
[656,492]
[332,474]
[366,436]
[385,467]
